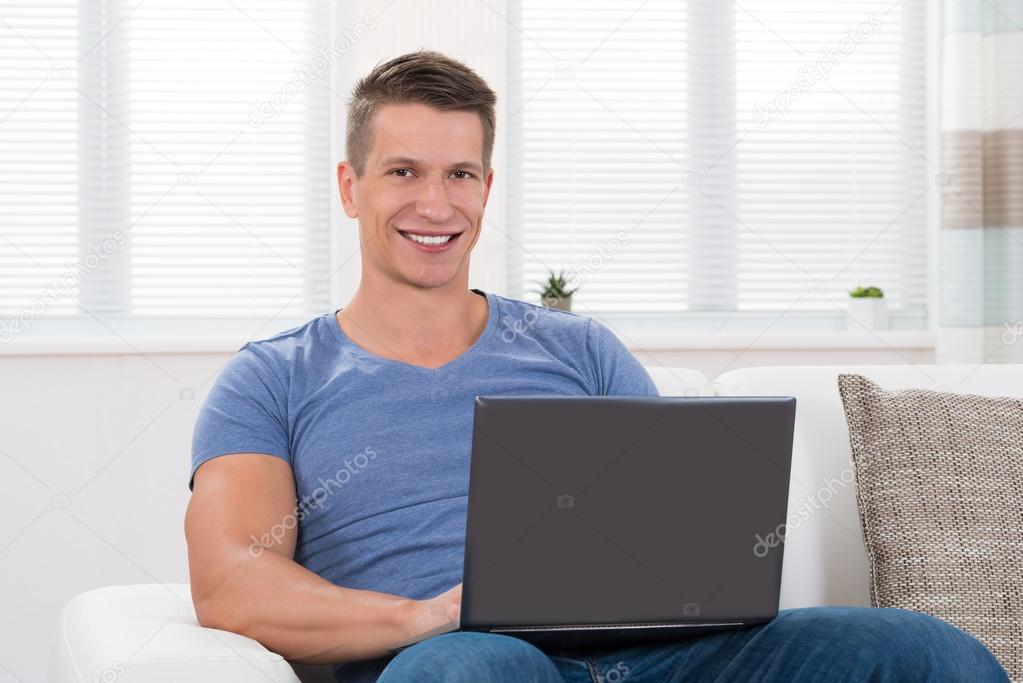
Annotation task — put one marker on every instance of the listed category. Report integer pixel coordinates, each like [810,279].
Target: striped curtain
[980,272]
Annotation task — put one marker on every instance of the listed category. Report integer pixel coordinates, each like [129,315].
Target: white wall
[94,447]
[94,459]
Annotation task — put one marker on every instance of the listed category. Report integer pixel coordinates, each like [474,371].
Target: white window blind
[717,161]
[164,164]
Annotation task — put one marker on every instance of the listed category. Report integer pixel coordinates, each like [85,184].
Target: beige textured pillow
[939,485]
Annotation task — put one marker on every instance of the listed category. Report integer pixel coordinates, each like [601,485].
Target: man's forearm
[305,618]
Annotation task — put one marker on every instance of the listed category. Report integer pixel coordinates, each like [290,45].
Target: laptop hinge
[602,627]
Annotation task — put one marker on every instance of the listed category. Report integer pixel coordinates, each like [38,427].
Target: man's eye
[401,170]
[465,174]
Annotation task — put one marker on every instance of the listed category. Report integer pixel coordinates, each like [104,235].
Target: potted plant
[554,292]
[867,306]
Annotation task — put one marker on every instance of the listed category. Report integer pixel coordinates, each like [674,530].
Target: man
[330,462]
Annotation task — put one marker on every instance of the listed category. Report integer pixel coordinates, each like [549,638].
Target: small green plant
[867,292]
[554,287]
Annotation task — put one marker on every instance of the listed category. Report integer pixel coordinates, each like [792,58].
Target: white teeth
[429,239]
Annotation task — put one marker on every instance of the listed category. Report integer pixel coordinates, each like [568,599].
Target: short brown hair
[421,77]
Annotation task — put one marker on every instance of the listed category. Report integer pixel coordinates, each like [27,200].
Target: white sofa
[149,632]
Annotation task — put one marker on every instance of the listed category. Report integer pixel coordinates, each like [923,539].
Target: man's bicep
[242,505]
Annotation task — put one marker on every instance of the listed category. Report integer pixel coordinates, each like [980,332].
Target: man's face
[423,182]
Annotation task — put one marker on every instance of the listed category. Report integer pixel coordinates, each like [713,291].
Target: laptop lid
[623,511]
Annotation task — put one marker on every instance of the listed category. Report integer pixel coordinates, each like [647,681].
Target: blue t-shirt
[380,448]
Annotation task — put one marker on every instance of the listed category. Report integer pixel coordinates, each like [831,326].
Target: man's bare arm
[255,588]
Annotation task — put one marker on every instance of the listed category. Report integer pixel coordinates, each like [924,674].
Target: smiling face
[421,196]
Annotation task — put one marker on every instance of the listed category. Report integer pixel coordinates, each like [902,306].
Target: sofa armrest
[149,633]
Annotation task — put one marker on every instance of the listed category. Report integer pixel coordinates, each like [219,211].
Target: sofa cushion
[149,633]
[939,477]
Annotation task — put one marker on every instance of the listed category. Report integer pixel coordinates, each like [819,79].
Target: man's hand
[434,616]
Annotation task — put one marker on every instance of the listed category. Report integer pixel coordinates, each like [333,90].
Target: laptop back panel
[624,511]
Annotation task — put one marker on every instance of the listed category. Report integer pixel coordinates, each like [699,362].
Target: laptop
[606,520]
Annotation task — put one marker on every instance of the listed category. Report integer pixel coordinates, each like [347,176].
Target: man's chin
[433,278]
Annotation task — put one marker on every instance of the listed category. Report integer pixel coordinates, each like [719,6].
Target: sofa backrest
[825,562]
[679,381]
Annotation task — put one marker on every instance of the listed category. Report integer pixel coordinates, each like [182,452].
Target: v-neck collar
[488,331]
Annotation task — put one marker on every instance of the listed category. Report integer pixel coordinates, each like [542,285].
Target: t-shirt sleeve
[618,372]
[245,412]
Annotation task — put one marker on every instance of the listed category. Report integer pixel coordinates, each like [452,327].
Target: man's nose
[433,202]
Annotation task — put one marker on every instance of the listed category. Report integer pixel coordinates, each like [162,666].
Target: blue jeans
[804,644]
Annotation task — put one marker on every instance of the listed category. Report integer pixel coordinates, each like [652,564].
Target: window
[165,166]
[714,164]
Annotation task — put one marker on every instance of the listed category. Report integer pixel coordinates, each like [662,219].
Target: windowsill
[805,330]
[86,346]
[650,340]
[823,340]
[127,336]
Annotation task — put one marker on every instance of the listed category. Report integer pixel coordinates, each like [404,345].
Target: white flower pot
[870,312]
[562,303]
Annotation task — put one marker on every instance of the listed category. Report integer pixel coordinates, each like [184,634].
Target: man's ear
[489,182]
[345,181]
